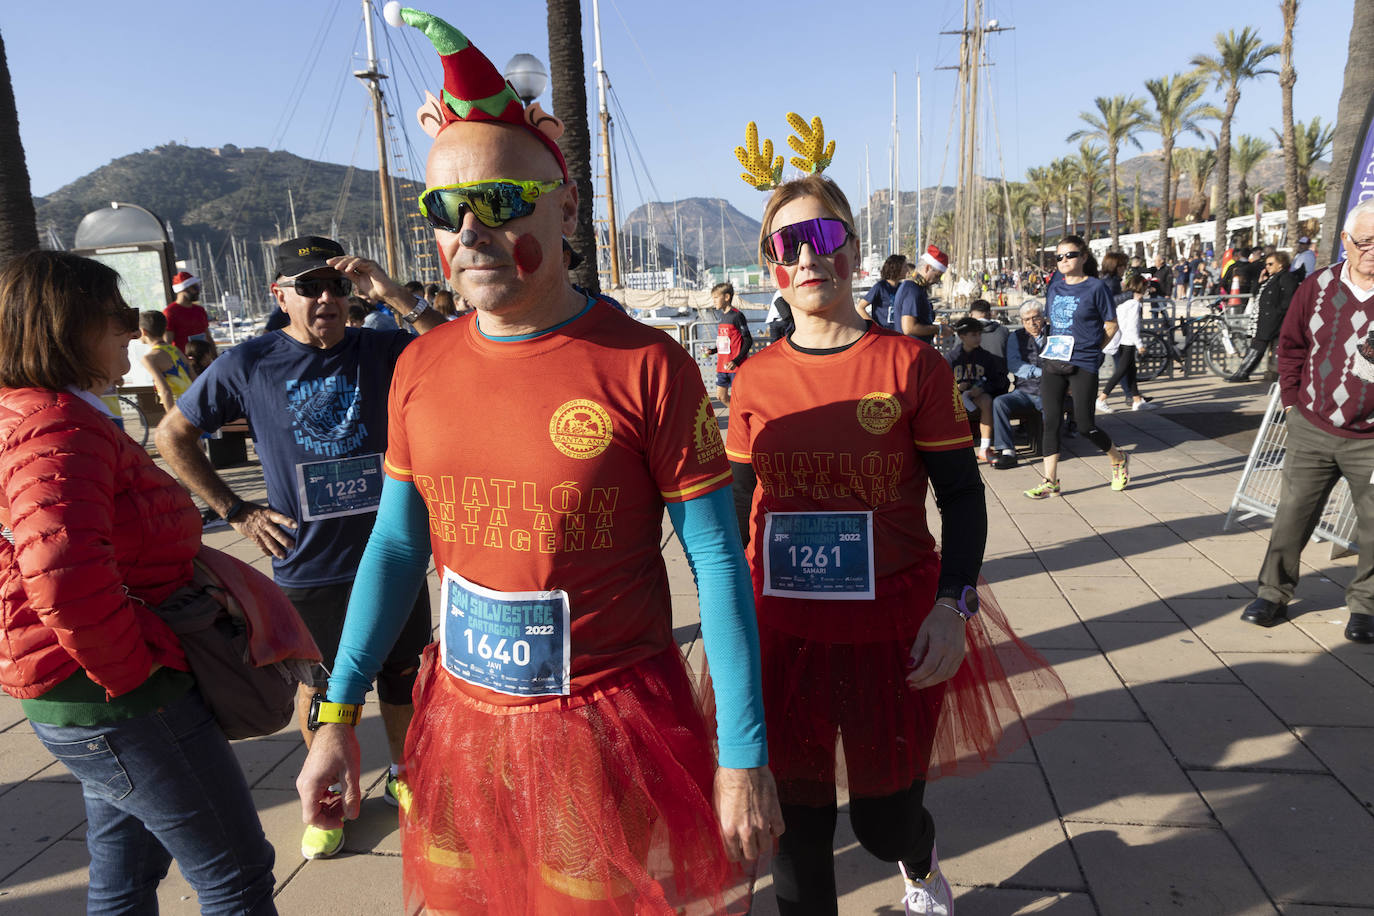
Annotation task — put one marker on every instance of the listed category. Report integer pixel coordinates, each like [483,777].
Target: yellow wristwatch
[322,712]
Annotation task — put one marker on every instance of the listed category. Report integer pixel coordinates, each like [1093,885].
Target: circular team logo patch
[581,429]
[878,412]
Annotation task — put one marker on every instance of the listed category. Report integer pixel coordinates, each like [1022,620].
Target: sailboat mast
[868,197]
[916,251]
[896,174]
[374,81]
[602,83]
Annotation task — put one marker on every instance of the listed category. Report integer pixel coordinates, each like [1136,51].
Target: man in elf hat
[186,319]
[558,761]
[914,311]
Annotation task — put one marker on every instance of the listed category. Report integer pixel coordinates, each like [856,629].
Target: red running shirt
[185,321]
[844,432]
[545,463]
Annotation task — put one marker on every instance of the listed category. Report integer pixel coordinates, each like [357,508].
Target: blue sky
[688,76]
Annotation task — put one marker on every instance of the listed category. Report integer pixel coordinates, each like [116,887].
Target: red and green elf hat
[474,90]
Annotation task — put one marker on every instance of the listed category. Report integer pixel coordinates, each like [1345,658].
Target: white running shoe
[1142,405]
[1103,406]
[928,896]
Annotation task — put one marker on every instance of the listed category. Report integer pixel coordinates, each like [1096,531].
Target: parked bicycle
[134,420]
[1223,342]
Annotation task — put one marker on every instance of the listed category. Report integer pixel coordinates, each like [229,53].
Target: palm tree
[1116,121]
[1088,174]
[1135,206]
[1061,179]
[1197,165]
[1238,58]
[1275,201]
[1313,143]
[567,71]
[1042,188]
[18,225]
[1023,200]
[1316,187]
[1178,109]
[1355,95]
[1246,154]
[1287,77]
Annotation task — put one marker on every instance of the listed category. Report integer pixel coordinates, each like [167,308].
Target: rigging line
[329,126]
[629,131]
[940,182]
[682,130]
[346,187]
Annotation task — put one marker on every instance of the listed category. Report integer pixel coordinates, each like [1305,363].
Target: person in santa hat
[914,311]
[186,318]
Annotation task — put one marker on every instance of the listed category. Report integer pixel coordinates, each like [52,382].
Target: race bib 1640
[516,643]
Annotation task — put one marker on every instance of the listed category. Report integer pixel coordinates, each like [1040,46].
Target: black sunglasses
[126,315]
[314,287]
[1068,256]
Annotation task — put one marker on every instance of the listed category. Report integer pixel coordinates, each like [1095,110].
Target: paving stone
[38,813]
[993,901]
[1114,599]
[1001,827]
[1327,628]
[1146,869]
[1152,541]
[1096,691]
[1119,773]
[1323,854]
[1218,624]
[259,756]
[52,883]
[1349,754]
[1304,909]
[1196,578]
[23,756]
[1222,726]
[1045,622]
[1023,577]
[1146,652]
[1305,689]
[346,884]
[11,714]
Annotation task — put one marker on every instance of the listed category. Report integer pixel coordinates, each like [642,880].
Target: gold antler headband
[764,172]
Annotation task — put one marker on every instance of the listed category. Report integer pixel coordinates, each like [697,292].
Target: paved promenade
[1209,767]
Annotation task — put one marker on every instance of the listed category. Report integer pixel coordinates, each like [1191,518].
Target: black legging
[894,828]
[1084,388]
[1124,373]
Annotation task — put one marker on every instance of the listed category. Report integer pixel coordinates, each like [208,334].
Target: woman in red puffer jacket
[96,536]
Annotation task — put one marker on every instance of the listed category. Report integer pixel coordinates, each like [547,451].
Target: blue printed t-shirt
[305,405]
[1080,310]
[882,297]
[912,299]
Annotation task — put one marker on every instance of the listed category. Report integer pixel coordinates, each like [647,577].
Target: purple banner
[1359,181]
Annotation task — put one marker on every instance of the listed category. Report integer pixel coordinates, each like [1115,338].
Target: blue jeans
[1003,406]
[164,786]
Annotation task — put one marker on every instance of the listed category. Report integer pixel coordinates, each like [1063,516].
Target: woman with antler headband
[867,631]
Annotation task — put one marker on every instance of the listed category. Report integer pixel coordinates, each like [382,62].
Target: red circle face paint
[780,274]
[841,264]
[529,254]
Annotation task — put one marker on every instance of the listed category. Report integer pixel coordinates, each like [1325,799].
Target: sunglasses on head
[126,315]
[314,287]
[825,236]
[1068,256]
[494,203]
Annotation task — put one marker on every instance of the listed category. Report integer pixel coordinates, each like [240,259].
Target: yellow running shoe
[317,843]
[1044,490]
[1121,472]
[397,793]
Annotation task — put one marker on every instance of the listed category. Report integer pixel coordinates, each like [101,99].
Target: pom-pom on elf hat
[474,90]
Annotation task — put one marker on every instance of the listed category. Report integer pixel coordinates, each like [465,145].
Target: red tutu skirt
[821,695]
[598,803]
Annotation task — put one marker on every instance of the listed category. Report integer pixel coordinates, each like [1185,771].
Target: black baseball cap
[296,257]
[967,325]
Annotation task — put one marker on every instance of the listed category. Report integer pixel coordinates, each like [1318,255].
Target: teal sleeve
[709,533]
[391,574]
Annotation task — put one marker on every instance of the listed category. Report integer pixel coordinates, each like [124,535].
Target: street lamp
[527,75]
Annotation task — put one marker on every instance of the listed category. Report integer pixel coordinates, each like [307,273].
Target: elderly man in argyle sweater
[1326,380]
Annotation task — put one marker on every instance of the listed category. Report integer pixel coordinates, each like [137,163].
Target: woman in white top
[1124,345]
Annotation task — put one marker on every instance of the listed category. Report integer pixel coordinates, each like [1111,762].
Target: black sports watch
[322,712]
[965,600]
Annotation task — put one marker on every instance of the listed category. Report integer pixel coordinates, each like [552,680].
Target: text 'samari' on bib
[517,643]
[825,555]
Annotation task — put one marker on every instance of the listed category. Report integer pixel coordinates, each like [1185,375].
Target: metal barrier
[1257,494]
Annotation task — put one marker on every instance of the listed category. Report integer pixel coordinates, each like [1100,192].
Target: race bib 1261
[825,555]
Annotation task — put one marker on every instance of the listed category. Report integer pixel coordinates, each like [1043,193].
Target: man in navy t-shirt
[314,394]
